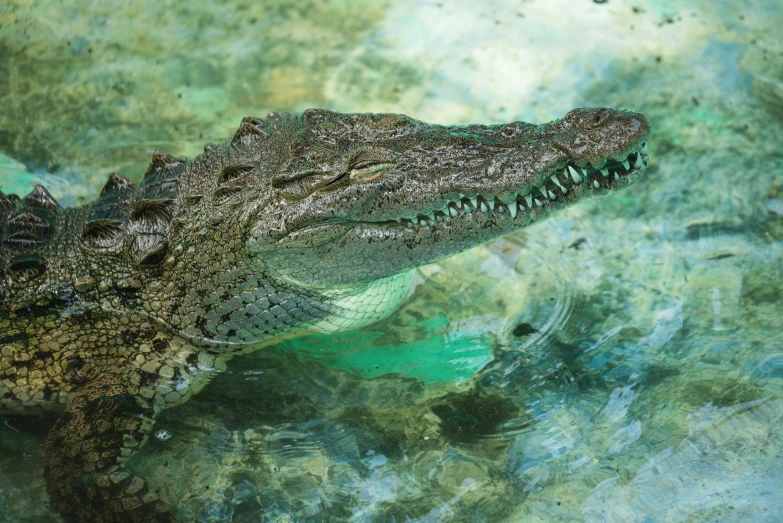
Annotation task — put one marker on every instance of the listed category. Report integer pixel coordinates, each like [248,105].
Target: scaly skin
[301,223]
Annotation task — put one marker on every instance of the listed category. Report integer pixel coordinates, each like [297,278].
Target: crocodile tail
[86,453]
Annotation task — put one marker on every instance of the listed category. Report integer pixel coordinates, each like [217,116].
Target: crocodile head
[361,197]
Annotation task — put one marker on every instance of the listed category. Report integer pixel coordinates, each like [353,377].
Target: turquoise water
[620,362]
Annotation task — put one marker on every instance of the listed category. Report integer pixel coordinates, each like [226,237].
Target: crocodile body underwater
[301,223]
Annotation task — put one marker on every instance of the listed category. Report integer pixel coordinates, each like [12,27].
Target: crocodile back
[67,275]
[134,221]
[46,251]
[27,228]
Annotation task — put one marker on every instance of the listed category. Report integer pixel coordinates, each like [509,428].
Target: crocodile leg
[86,453]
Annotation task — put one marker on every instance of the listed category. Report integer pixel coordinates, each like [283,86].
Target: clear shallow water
[621,362]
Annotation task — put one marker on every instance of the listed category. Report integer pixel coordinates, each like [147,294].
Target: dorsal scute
[116,184]
[26,269]
[163,167]
[152,213]
[161,180]
[40,197]
[26,232]
[230,174]
[27,226]
[149,227]
[103,235]
[106,223]
[149,249]
[134,221]
[5,204]
[250,130]
[28,222]
[115,200]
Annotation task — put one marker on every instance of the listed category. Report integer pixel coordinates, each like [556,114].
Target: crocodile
[312,222]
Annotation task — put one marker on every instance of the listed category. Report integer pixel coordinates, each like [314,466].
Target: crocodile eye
[369,165]
[598,118]
[370,171]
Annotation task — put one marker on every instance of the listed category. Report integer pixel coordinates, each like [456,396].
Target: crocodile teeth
[557,182]
[574,175]
[517,204]
[508,199]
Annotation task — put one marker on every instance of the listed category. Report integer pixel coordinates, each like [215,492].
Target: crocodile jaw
[512,210]
[415,215]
